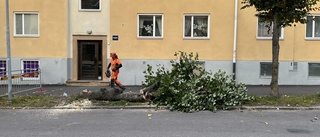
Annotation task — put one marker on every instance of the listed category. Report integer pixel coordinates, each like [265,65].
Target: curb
[161,107]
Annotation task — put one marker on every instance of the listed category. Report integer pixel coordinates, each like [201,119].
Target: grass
[51,101]
[286,100]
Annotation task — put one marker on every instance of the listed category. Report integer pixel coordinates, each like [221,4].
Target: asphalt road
[150,123]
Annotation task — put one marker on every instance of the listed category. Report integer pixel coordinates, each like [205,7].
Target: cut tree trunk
[113,94]
[116,94]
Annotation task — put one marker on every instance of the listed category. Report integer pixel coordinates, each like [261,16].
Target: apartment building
[72,44]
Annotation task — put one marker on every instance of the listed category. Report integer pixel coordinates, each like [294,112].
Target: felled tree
[280,13]
[187,87]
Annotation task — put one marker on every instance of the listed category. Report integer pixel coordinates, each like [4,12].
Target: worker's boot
[112,83]
[123,88]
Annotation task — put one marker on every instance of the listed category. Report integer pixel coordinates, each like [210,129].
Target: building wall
[124,24]
[80,22]
[217,51]
[49,48]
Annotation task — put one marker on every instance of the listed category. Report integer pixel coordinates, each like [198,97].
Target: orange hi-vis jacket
[114,63]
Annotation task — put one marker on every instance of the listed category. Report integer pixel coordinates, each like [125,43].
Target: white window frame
[80,9]
[22,69]
[23,34]
[154,28]
[192,20]
[313,29]
[268,38]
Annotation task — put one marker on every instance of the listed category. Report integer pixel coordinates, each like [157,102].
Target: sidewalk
[252,90]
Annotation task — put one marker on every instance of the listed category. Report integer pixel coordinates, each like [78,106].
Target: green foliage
[286,11]
[188,87]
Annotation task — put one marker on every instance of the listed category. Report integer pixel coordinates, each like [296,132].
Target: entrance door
[90,60]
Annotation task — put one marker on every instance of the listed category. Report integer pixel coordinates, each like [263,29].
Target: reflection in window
[90,4]
[150,25]
[196,26]
[265,69]
[265,31]
[313,27]
[314,69]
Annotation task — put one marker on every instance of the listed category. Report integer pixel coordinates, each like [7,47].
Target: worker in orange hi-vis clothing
[115,65]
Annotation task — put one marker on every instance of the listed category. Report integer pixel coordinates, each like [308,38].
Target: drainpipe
[234,60]
[68,43]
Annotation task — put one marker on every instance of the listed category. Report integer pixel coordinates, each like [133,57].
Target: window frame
[260,67]
[192,20]
[23,70]
[23,34]
[268,38]
[310,63]
[153,29]
[313,28]
[93,10]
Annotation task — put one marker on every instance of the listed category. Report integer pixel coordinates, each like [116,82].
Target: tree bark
[116,94]
[113,94]
[275,58]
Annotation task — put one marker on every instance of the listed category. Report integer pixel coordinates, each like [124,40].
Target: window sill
[267,38]
[90,10]
[26,36]
[313,77]
[265,77]
[150,37]
[196,38]
[312,39]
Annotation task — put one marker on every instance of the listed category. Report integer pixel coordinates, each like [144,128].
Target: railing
[22,80]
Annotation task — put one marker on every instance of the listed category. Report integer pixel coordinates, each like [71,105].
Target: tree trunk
[113,94]
[275,58]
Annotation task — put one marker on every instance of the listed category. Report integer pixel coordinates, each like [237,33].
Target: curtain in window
[309,26]
[18,24]
[317,26]
[187,26]
[158,26]
[30,24]
[145,25]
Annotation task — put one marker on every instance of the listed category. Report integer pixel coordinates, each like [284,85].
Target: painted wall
[81,21]
[49,48]
[124,24]
[215,52]
[3,45]
[294,46]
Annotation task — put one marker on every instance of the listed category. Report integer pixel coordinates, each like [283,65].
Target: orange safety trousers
[115,77]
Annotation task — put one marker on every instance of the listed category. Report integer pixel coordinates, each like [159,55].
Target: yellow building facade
[38,31]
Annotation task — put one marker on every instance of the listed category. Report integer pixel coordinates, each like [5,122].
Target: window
[26,24]
[3,68]
[314,69]
[30,69]
[265,69]
[150,26]
[196,26]
[264,32]
[313,27]
[89,5]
